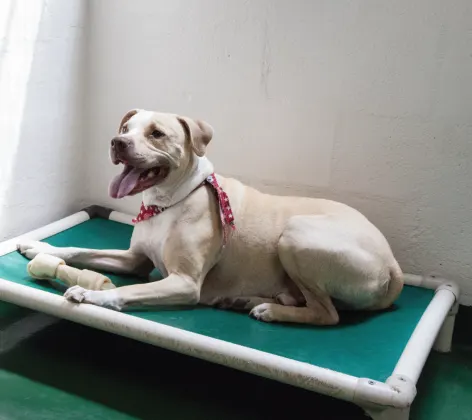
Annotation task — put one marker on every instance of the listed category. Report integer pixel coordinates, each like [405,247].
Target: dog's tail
[394,287]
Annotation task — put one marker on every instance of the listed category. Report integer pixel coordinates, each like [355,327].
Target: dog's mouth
[134,180]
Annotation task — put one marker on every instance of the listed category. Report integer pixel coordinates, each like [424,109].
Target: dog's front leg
[187,255]
[112,261]
[175,289]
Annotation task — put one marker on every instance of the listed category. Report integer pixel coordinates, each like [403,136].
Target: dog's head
[153,147]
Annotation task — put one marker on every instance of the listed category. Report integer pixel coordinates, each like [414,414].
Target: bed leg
[390,414]
[443,341]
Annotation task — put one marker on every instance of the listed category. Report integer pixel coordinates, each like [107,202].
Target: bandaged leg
[48,267]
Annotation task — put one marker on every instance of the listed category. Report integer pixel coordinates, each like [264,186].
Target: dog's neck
[171,191]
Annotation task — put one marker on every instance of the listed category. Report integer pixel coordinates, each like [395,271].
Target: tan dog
[288,259]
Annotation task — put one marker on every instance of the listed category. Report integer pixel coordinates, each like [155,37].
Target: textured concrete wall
[41,87]
[368,102]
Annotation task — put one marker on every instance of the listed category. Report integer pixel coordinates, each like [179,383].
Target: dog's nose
[120,143]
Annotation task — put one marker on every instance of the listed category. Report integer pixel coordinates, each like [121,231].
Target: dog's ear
[199,133]
[126,118]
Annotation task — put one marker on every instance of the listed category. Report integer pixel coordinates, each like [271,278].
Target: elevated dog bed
[372,359]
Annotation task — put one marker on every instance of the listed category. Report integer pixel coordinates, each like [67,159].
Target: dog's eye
[157,134]
[124,130]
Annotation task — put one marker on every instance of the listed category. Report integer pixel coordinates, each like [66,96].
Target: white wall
[365,101]
[41,86]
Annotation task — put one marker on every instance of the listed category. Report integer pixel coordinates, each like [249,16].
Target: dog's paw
[32,248]
[105,298]
[78,294]
[264,312]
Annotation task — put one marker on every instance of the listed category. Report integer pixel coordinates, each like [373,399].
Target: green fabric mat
[363,345]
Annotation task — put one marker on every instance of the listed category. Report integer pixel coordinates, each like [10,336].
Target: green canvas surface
[363,345]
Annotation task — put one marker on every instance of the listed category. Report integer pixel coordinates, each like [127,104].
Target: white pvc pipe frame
[398,391]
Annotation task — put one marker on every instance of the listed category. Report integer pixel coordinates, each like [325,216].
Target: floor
[67,371]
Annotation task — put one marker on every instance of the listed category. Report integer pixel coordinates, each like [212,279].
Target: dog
[220,243]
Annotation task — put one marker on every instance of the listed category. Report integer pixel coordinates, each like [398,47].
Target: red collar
[226,215]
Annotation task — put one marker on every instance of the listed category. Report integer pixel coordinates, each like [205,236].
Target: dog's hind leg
[326,258]
[301,257]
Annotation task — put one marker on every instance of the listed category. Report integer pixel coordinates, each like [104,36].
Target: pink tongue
[125,182]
